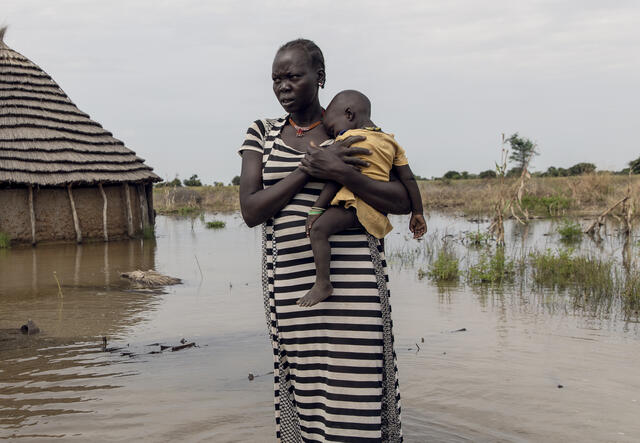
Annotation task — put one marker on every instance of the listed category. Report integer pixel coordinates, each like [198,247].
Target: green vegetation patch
[553,205]
[589,275]
[492,268]
[149,232]
[444,268]
[5,240]
[215,224]
[477,238]
[570,231]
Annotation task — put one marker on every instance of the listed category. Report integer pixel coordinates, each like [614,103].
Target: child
[349,113]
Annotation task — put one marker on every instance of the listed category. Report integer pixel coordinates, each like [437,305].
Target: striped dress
[334,365]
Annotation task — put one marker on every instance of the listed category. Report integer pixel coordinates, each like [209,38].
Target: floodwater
[530,366]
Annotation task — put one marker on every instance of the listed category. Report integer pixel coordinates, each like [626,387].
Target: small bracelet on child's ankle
[315,212]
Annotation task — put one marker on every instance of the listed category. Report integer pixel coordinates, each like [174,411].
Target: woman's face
[295,81]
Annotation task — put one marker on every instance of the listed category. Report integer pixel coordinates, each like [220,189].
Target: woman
[334,365]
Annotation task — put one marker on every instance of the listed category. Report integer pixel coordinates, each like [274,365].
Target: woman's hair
[312,50]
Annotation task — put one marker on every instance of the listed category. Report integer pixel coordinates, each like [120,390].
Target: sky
[180,81]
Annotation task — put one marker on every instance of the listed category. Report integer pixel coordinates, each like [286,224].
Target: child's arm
[417,224]
[329,191]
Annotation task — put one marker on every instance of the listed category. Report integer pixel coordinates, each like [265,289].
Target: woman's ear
[321,78]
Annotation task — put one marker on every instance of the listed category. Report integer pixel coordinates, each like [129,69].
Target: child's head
[348,110]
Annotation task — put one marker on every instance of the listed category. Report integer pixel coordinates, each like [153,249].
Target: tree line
[522,151]
[194,180]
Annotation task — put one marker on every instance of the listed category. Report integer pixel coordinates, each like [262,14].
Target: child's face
[336,121]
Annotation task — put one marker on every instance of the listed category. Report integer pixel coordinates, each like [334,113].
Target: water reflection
[75,295]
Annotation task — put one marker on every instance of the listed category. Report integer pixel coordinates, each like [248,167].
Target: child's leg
[334,220]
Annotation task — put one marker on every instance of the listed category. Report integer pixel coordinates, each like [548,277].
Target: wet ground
[529,365]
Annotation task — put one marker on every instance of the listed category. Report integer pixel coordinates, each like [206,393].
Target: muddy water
[499,380]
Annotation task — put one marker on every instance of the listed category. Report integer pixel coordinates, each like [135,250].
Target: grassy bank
[543,196]
[192,200]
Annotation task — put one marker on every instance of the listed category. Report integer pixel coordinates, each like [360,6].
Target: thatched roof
[46,140]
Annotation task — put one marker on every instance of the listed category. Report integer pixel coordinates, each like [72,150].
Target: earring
[321,84]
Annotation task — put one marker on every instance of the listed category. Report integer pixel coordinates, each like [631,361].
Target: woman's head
[297,73]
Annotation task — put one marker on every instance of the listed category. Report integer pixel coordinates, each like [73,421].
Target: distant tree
[634,165]
[464,175]
[514,172]
[452,175]
[235,181]
[489,173]
[624,171]
[175,183]
[217,184]
[192,181]
[522,149]
[582,168]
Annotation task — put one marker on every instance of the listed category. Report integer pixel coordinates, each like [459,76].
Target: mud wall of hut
[54,218]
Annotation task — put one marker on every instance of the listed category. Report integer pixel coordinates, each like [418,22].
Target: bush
[235,181]
[477,238]
[582,168]
[192,181]
[175,183]
[215,224]
[492,268]
[570,231]
[489,173]
[452,175]
[445,267]
[552,205]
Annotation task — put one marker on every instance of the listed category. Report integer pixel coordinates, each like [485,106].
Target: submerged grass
[562,269]
[5,241]
[215,224]
[148,233]
[570,231]
[492,268]
[445,267]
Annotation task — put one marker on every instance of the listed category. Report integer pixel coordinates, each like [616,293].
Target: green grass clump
[5,240]
[630,290]
[215,224]
[187,211]
[477,238]
[552,205]
[492,268]
[587,275]
[570,231]
[148,232]
[445,267]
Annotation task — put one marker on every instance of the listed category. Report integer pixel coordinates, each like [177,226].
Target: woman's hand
[330,162]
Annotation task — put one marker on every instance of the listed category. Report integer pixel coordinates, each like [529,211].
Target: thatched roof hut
[47,147]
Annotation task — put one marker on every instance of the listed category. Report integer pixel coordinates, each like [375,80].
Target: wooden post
[127,204]
[76,222]
[33,216]
[152,216]
[144,208]
[104,212]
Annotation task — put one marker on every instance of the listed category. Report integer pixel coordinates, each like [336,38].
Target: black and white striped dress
[334,365]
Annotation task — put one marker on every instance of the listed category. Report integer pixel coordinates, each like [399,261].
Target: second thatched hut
[63,177]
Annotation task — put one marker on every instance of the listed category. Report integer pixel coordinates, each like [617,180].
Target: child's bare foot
[318,293]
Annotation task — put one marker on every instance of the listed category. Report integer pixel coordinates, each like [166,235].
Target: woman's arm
[257,204]
[329,163]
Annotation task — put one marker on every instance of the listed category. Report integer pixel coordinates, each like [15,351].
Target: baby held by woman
[337,208]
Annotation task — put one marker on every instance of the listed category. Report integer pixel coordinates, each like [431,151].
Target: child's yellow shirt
[385,153]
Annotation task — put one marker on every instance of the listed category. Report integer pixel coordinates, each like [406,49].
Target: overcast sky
[180,81]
